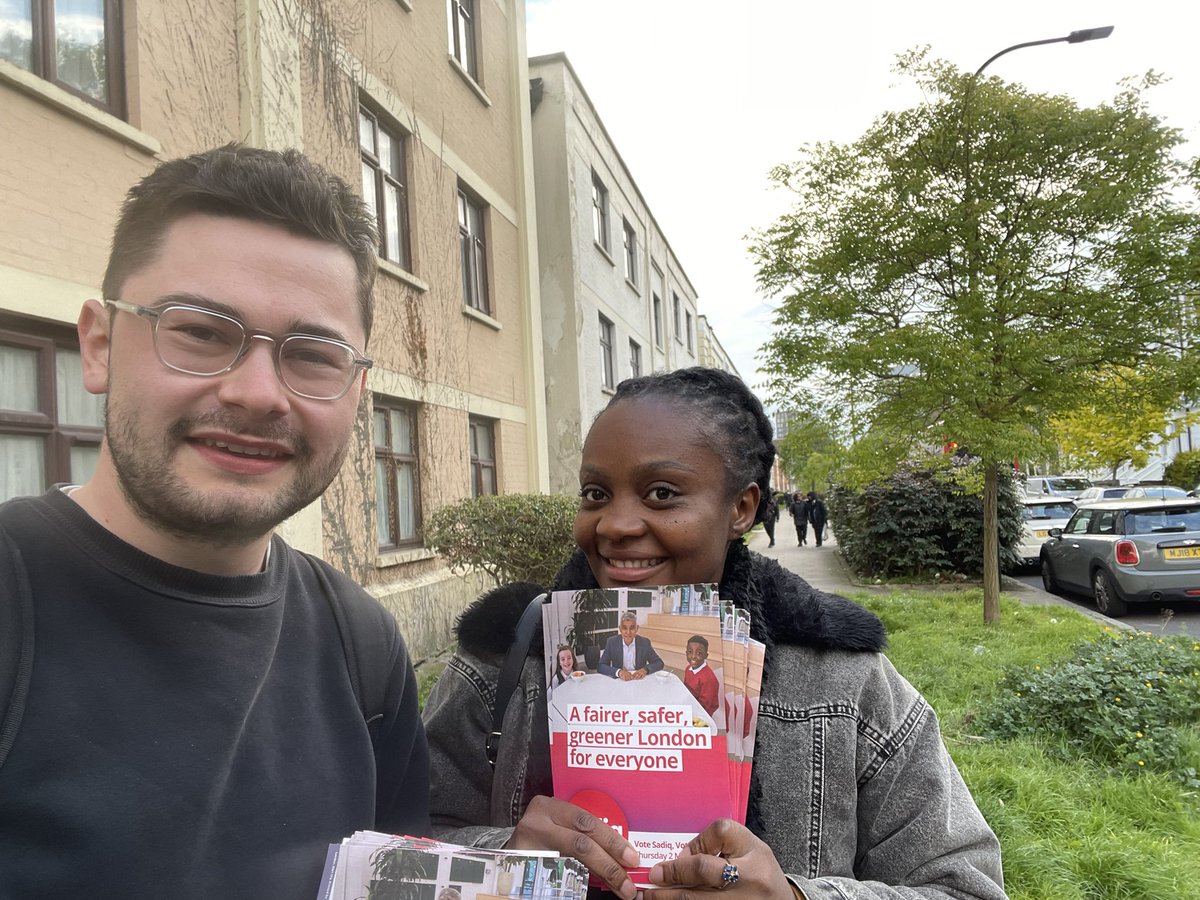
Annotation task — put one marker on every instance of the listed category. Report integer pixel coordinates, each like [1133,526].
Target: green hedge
[512,537]
[922,522]
[1184,470]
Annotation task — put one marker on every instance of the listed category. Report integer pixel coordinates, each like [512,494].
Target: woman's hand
[551,824]
[698,871]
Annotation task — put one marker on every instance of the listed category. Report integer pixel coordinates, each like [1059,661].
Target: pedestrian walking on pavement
[769,520]
[817,515]
[800,517]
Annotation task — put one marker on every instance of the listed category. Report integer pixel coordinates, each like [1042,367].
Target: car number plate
[1181,553]
[1041,532]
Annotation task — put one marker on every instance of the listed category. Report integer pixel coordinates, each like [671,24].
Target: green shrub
[922,522]
[1184,470]
[512,537]
[1129,702]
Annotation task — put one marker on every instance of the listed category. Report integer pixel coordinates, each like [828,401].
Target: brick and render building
[615,299]
[425,104]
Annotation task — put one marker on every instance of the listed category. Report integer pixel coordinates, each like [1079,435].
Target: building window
[462,35]
[677,316]
[76,45]
[472,252]
[656,293]
[606,352]
[631,260]
[483,456]
[635,359]
[691,335]
[600,212]
[50,427]
[397,480]
[384,183]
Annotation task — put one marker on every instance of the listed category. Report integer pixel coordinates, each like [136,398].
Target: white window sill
[54,96]
[606,254]
[387,558]
[400,274]
[472,313]
[471,82]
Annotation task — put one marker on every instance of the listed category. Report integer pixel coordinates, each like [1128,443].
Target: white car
[1041,514]
[1056,486]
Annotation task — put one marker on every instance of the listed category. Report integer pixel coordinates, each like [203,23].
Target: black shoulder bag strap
[16,641]
[510,671]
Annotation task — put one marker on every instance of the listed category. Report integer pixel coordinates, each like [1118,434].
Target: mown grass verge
[1071,827]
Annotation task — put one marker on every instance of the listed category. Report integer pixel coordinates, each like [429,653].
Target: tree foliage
[1184,470]
[512,537]
[1126,415]
[810,453]
[953,272]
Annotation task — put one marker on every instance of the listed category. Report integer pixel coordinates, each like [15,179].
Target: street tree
[955,271]
[809,453]
[1127,416]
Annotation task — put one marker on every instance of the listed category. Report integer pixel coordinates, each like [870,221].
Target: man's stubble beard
[163,500]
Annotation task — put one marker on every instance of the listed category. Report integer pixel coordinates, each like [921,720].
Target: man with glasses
[188,706]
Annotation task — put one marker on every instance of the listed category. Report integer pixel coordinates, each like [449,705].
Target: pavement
[824,568]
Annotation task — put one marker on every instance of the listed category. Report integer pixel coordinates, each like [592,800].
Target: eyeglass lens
[204,343]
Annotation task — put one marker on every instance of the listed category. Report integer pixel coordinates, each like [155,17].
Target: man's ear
[745,505]
[94,345]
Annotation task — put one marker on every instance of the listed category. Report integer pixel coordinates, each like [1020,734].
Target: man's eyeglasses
[198,341]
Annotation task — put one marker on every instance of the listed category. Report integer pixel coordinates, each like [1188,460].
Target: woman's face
[655,508]
[566,660]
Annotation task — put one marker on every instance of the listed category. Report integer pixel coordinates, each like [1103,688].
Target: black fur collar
[783,608]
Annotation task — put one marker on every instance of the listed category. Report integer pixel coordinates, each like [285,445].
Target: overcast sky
[702,98]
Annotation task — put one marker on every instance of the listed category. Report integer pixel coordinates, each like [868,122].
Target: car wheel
[1049,582]
[1105,592]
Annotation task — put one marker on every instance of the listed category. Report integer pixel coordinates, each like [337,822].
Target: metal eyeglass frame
[152,314]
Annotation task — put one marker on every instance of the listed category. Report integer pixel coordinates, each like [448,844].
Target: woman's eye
[661,493]
[591,494]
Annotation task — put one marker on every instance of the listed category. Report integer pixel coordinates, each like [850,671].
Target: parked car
[1041,514]
[1155,490]
[1127,551]
[1055,486]
[1096,492]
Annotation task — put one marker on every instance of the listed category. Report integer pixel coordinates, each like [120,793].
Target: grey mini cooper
[1127,551]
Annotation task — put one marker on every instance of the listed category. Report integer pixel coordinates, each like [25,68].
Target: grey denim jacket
[854,790]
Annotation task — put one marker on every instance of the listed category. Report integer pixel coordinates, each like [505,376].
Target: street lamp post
[1075,37]
[991,477]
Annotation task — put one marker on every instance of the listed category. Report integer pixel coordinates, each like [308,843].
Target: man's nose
[253,382]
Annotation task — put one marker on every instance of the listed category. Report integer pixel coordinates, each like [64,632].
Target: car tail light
[1192,592]
[1127,553]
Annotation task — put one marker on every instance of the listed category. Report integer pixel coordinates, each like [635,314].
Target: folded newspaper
[652,697]
[373,866]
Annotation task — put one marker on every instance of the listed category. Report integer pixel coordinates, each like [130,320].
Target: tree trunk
[991,545]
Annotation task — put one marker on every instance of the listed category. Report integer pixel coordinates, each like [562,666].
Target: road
[1183,618]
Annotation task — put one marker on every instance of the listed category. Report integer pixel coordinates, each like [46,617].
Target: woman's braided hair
[726,408]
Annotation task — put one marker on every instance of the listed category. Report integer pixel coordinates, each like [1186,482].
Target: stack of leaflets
[374,866]
[652,696]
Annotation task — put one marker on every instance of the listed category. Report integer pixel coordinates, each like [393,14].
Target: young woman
[852,793]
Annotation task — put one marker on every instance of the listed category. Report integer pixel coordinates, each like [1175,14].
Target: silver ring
[729,876]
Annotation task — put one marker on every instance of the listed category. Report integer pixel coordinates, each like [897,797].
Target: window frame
[657,289]
[465,53]
[600,214]
[676,309]
[43,61]
[58,438]
[631,254]
[392,406]
[691,330]
[474,264]
[384,179]
[635,359]
[479,464]
[608,370]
